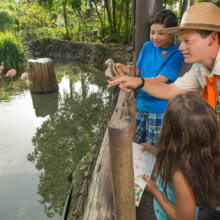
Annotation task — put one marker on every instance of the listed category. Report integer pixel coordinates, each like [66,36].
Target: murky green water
[43,138]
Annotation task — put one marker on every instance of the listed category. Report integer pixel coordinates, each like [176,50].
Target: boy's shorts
[148,127]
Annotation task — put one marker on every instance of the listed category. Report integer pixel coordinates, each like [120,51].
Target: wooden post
[132,109]
[42,76]
[122,172]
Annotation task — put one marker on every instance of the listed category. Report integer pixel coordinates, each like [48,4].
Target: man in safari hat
[199,34]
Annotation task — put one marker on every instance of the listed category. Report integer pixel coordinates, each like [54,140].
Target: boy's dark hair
[165,17]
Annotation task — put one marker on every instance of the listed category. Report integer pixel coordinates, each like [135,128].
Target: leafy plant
[12,52]
[42,33]
[7,21]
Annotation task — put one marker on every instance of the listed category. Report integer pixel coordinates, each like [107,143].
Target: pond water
[43,138]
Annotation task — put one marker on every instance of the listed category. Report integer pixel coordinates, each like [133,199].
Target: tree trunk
[133,17]
[84,24]
[100,18]
[42,76]
[192,2]
[65,21]
[144,10]
[114,34]
[127,22]
[183,8]
[120,17]
[109,15]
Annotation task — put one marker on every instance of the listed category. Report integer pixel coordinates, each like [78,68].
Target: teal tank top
[170,195]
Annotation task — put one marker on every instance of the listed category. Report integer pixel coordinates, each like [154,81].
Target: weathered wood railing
[111,193]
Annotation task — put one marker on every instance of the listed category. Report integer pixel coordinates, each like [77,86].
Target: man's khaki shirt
[194,79]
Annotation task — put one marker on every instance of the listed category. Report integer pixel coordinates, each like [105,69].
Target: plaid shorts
[148,127]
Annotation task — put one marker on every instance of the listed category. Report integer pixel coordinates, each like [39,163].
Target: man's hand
[126,83]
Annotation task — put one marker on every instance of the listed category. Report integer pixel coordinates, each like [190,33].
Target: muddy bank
[92,54]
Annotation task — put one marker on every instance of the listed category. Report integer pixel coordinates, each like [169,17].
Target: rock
[93,54]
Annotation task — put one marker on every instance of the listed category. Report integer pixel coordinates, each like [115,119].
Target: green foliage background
[76,20]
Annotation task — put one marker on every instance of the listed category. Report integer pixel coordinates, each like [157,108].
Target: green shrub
[7,21]
[31,34]
[12,52]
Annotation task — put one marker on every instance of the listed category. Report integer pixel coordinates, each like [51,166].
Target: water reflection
[55,130]
[66,136]
[45,104]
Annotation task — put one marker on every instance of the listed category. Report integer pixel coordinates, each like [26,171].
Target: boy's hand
[121,67]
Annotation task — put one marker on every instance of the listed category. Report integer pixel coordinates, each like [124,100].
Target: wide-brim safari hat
[201,16]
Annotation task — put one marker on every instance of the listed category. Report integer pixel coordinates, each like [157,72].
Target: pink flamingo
[11,73]
[24,76]
[1,69]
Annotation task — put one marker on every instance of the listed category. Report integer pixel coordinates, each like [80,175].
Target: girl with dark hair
[188,159]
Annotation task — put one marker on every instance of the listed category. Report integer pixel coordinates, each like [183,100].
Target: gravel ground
[145,211]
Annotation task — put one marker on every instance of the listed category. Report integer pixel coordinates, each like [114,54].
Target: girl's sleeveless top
[170,195]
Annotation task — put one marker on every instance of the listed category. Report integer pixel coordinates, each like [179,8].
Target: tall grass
[12,52]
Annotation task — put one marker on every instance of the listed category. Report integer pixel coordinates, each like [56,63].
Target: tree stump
[42,76]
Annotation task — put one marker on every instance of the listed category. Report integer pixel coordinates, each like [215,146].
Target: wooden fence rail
[111,193]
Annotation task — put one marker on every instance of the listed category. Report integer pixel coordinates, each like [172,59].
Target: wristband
[142,83]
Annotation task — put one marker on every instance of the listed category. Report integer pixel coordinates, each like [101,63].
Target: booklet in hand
[143,163]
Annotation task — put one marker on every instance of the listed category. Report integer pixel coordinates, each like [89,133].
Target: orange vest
[209,93]
[217,107]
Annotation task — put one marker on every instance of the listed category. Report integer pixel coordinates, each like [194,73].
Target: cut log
[42,77]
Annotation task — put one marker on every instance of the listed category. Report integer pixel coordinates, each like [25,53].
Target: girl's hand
[150,187]
[148,147]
